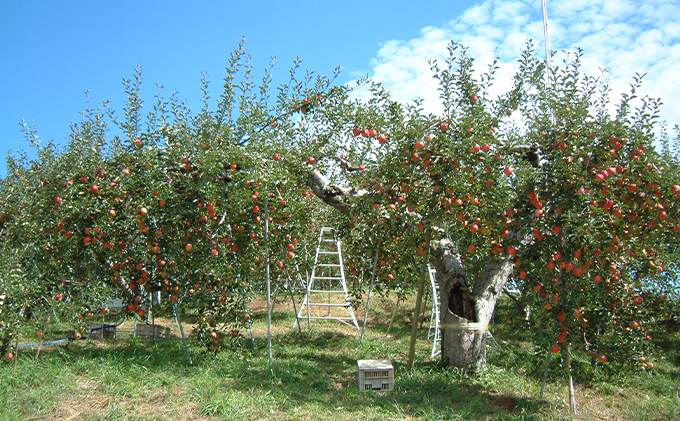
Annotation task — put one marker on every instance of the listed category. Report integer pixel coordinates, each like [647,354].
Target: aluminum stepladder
[327,281]
[434,331]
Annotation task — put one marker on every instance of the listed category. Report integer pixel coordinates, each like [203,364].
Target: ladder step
[329,265]
[327,318]
[326,291]
[328,252]
[328,305]
[330,278]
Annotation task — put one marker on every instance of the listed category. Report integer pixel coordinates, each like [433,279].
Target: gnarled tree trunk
[466,306]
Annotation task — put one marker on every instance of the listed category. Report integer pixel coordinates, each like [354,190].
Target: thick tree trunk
[466,307]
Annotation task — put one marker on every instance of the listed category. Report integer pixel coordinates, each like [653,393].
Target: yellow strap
[465,326]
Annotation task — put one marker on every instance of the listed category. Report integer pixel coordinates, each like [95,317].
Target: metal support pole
[269,302]
[181,329]
[370,290]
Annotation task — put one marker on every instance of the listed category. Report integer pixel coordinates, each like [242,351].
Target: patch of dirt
[506,402]
[90,401]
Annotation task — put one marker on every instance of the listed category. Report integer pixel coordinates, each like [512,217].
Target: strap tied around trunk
[465,326]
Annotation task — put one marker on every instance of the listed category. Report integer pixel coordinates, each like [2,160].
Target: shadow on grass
[319,370]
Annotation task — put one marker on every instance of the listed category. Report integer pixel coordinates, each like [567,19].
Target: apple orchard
[572,197]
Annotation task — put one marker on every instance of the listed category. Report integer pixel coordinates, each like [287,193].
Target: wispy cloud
[624,37]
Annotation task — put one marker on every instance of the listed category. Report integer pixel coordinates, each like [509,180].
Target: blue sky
[52,52]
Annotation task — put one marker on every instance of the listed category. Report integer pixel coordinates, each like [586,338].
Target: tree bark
[466,306]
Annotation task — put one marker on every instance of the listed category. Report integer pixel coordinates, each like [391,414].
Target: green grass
[314,377]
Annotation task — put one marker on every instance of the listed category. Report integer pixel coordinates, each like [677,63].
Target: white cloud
[623,36]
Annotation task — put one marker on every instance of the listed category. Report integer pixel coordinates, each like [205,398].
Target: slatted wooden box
[103,330]
[375,375]
[146,331]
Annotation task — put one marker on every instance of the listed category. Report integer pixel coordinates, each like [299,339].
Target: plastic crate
[144,331]
[375,375]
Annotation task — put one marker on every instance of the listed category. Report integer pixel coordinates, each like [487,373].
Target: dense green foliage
[546,177]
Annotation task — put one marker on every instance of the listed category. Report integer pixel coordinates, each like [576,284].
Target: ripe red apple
[356,131]
[420,145]
[94,188]
[382,139]
[9,356]
[214,252]
[473,98]
[143,211]
[311,160]
[277,157]
[508,171]
[173,298]
[555,349]
[188,247]
[444,127]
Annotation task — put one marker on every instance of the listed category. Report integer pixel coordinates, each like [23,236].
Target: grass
[314,378]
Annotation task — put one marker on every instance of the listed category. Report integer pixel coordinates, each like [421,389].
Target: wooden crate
[103,330]
[145,331]
[375,375]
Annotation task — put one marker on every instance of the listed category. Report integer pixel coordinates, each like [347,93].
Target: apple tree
[543,183]
[188,207]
